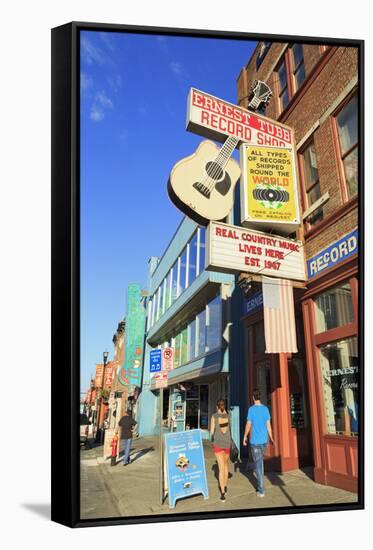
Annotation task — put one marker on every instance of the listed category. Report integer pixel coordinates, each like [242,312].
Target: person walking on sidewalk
[127,424]
[220,435]
[259,424]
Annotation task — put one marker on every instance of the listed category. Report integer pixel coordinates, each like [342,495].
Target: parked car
[84,423]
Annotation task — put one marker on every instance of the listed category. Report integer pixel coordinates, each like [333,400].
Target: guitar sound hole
[214,170]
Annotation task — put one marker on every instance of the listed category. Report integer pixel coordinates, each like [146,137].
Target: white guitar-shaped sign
[202,185]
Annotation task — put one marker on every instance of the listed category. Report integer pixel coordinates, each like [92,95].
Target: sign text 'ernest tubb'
[214,118]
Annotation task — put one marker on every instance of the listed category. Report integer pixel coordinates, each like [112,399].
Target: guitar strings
[221,164]
[215,171]
[223,153]
[203,182]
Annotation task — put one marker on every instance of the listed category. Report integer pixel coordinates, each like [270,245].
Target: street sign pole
[161,446]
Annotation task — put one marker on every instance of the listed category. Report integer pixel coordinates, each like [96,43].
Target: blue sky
[133,108]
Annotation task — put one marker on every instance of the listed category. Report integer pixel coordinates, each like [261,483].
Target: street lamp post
[100,430]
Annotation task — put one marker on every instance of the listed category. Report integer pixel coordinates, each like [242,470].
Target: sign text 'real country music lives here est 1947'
[231,248]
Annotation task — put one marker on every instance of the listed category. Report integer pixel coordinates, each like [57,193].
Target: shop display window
[175,271]
[283,89]
[299,71]
[204,406]
[340,381]
[202,248]
[177,350]
[192,340]
[201,327]
[214,321]
[192,270]
[182,274]
[203,334]
[184,346]
[347,127]
[298,392]
[259,343]
[334,308]
[263,373]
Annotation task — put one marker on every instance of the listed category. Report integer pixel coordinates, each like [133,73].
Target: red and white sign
[230,248]
[161,379]
[99,376]
[217,119]
[108,375]
[168,355]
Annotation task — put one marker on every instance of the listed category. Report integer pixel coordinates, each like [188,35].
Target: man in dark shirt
[127,424]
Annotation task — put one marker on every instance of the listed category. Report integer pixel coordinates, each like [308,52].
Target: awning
[210,364]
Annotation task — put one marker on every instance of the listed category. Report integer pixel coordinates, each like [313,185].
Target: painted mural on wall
[130,374]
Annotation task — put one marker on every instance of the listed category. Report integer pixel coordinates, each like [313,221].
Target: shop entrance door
[299,411]
[263,381]
[191,414]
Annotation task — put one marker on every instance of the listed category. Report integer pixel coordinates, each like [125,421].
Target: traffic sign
[161,380]
[168,355]
[155,360]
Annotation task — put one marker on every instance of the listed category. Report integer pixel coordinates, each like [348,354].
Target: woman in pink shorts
[220,435]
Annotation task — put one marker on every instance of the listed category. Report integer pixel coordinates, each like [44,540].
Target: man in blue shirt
[259,424]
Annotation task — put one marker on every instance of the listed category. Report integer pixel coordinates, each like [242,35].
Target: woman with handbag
[221,437]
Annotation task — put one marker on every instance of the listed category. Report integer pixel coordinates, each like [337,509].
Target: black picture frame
[66,273]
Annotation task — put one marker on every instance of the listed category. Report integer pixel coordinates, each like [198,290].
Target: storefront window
[169,289]
[340,374]
[201,324]
[298,406]
[259,345]
[149,318]
[204,407]
[154,312]
[174,281]
[159,303]
[182,275]
[334,308]
[184,346]
[202,247]
[347,120]
[283,91]
[192,340]
[164,295]
[263,373]
[177,350]
[213,328]
[298,65]
[311,182]
[192,259]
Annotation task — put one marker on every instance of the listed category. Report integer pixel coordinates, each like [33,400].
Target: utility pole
[161,495]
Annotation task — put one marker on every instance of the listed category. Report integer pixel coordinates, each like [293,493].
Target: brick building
[314,394]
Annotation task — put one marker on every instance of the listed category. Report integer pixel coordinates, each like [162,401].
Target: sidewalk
[133,490]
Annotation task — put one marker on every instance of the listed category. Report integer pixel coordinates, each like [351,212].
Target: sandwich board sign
[185,463]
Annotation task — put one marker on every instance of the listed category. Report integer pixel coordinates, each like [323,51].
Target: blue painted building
[190,309]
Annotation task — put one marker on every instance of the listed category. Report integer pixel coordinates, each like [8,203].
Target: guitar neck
[226,151]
